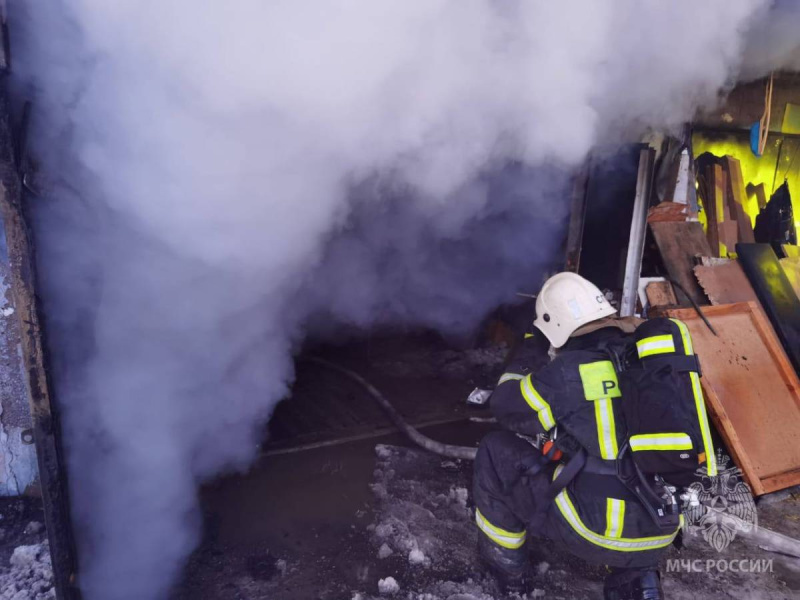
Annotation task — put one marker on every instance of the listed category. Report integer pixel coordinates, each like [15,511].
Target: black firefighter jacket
[577,393]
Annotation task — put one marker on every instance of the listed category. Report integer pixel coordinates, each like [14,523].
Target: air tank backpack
[668,431]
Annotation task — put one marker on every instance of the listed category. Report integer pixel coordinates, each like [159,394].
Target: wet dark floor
[294,526]
[306,513]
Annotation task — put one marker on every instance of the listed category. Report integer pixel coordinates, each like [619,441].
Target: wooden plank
[752,392]
[667,211]
[729,235]
[780,482]
[736,198]
[660,293]
[716,190]
[678,244]
[725,283]
[758,193]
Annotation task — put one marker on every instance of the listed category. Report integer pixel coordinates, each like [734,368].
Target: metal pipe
[633,263]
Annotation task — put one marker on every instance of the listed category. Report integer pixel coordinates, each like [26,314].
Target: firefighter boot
[633,584]
[510,567]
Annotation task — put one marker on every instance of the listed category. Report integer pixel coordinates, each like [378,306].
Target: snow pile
[388,586]
[414,522]
[30,576]
[425,536]
[34,528]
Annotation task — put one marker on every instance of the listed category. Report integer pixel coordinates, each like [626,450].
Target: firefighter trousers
[512,502]
[510,486]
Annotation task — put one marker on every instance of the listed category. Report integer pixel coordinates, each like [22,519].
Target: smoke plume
[222,178]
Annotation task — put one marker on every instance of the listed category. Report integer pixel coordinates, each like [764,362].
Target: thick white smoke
[224,175]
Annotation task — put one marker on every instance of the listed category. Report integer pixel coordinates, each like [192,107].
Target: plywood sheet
[751,390]
[678,244]
[725,283]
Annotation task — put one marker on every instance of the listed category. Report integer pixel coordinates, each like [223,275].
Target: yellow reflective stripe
[528,336]
[537,403]
[506,539]
[606,428]
[621,544]
[657,344]
[699,403]
[615,517]
[510,377]
[661,441]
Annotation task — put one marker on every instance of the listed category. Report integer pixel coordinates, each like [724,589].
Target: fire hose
[765,538]
[423,441]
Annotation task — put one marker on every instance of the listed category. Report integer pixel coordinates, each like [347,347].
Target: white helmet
[568,301]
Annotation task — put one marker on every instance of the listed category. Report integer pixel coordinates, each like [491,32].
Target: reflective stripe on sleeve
[510,377]
[661,441]
[606,428]
[537,403]
[615,517]
[621,544]
[699,403]
[506,539]
[657,344]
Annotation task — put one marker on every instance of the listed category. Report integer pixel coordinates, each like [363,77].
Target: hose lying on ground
[773,541]
[766,539]
[448,450]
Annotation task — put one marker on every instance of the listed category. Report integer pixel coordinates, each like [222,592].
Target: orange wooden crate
[752,392]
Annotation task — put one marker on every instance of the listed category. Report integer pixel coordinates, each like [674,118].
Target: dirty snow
[424,512]
[30,575]
[388,586]
[33,528]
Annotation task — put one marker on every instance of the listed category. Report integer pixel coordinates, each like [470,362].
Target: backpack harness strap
[598,477]
[680,363]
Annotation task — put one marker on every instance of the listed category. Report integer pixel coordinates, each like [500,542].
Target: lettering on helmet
[600,299]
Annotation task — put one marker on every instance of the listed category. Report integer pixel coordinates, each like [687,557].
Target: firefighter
[552,410]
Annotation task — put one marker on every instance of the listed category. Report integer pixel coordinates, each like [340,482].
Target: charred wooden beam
[577,217]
